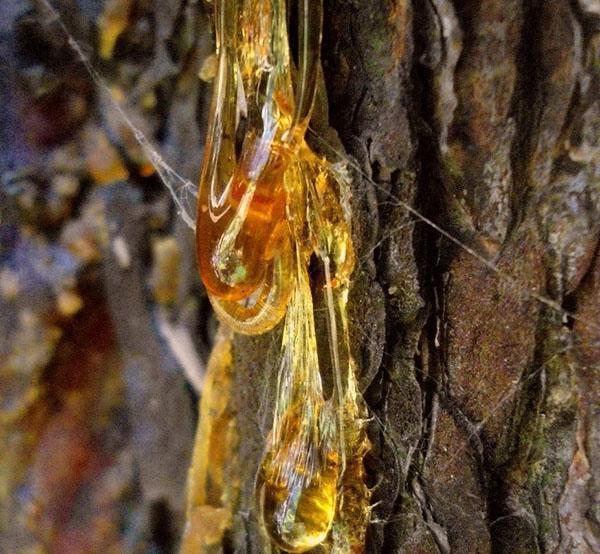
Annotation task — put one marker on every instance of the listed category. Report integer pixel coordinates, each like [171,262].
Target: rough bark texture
[481,115]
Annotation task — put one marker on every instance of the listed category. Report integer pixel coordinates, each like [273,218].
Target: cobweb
[184,195]
[183,192]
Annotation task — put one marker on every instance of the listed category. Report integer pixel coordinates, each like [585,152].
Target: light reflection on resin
[268,206]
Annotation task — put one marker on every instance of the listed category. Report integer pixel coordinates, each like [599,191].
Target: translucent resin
[268,208]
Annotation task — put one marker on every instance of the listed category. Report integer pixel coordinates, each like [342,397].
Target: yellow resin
[312,516]
[298,502]
[212,480]
[268,205]
[299,474]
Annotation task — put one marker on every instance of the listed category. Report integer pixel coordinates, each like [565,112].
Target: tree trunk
[472,131]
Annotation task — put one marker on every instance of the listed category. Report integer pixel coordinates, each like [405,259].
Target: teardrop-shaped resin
[236,243]
[299,475]
[268,305]
[298,485]
[241,201]
[299,517]
[267,208]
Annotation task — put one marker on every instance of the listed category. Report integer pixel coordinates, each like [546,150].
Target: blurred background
[103,324]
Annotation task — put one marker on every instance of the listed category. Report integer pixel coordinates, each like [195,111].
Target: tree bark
[476,114]
[472,131]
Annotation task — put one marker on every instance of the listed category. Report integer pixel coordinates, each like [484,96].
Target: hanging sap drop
[298,514]
[235,249]
[298,485]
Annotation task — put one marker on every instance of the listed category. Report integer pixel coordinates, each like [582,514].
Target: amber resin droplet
[298,490]
[241,202]
[235,248]
[299,475]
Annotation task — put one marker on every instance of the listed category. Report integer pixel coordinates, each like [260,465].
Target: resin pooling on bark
[213,479]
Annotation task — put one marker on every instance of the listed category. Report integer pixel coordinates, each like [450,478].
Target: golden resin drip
[213,480]
[267,206]
[299,475]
